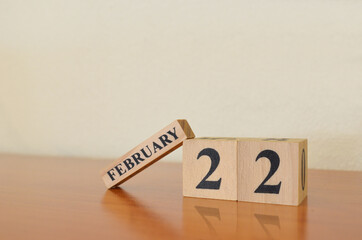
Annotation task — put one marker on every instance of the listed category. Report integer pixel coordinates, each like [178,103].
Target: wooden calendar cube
[272,170]
[210,168]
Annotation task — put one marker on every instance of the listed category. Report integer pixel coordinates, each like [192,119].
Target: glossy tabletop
[64,198]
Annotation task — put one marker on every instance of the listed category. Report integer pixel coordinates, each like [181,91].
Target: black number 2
[215,159]
[274,164]
[303,170]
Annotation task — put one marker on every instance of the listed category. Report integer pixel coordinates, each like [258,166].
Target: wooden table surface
[64,198]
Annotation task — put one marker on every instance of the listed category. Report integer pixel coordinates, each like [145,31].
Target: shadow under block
[272,171]
[148,152]
[210,168]
[246,169]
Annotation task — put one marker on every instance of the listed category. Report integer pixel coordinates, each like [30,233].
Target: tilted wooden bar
[148,152]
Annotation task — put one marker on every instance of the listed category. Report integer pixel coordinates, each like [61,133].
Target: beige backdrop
[94,78]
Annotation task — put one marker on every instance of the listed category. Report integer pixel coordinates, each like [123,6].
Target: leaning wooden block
[272,170]
[151,150]
[210,168]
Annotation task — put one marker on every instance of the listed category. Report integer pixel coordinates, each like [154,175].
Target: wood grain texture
[197,164]
[63,198]
[147,153]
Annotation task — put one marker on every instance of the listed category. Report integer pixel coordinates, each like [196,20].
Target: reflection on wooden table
[131,212]
[221,219]
[64,198]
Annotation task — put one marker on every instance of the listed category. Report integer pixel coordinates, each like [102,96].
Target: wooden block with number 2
[210,168]
[272,170]
[246,169]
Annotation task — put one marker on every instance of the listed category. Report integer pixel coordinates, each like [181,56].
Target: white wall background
[95,78]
